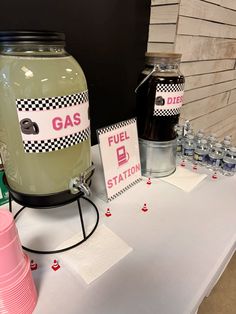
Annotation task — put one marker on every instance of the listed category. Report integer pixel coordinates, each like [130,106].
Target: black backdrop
[107,37]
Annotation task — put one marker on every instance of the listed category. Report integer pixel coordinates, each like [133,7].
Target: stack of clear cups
[17,290]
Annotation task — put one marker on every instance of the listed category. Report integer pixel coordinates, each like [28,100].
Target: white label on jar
[50,124]
[168,99]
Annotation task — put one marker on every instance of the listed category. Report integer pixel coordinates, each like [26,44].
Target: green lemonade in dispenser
[44,119]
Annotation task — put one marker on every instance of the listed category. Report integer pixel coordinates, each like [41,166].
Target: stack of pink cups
[17,290]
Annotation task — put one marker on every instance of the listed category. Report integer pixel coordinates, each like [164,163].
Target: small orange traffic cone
[149,181]
[144,209]
[55,265]
[214,176]
[108,213]
[182,164]
[33,265]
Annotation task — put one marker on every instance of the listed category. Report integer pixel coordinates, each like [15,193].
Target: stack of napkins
[184,179]
[96,255]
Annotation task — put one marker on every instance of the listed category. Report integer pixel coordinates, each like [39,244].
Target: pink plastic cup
[17,290]
[20,297]
[11,254]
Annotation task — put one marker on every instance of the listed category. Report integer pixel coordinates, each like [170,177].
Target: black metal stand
[85,236]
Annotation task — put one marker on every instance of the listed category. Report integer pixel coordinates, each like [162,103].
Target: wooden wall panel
[204,106]
[207,91]
[207,11]
[163,22]
[196,81]
[205,48]
[162,33]
[230,4]
[224,127]
[214,117]
[196,27]
[227,126]
[153,47]
[232,97]
[162,2]
[209,66]
[164,14]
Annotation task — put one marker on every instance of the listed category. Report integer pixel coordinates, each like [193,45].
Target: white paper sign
[119,151]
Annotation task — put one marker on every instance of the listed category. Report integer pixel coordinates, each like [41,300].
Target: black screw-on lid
[25,36]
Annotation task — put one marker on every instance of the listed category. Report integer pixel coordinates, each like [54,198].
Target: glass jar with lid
[44,127]
[158,102]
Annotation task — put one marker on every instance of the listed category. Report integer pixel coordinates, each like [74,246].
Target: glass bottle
[199,136]
[226,144]
[201,152]
[211,140]
[228,164]
[215,156]
[188,147]
[228,138]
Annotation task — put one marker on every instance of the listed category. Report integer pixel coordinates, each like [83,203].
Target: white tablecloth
[180,247]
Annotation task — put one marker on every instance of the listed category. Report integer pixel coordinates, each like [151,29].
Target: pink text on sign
[117,138]
[59,123]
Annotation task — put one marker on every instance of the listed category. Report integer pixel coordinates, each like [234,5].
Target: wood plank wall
[204,31]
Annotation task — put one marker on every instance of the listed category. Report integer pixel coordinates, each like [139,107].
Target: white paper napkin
[184,179]
[96,255]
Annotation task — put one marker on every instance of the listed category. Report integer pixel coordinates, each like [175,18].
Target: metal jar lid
[28,36]
[152,58]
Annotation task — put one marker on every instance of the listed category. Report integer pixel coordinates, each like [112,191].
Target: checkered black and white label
[56,144]
[51,124]
[58,102]
[116,126]
[168,99]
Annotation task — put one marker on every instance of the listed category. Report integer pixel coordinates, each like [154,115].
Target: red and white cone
[149,181]
[182,164]
[33,265]
[55,265]
[194,167]
[144,209]
[214,176]
[108,213]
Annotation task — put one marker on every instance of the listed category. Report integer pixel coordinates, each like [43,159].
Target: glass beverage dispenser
[44,126]
[159,99]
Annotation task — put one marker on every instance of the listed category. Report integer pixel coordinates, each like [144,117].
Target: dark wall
[107,37]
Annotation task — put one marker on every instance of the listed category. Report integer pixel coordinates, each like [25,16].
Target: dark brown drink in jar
[159,97]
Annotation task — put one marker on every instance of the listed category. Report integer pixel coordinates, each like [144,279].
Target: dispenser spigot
[79,184]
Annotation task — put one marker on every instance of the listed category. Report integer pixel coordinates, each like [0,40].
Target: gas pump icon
[122,155]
